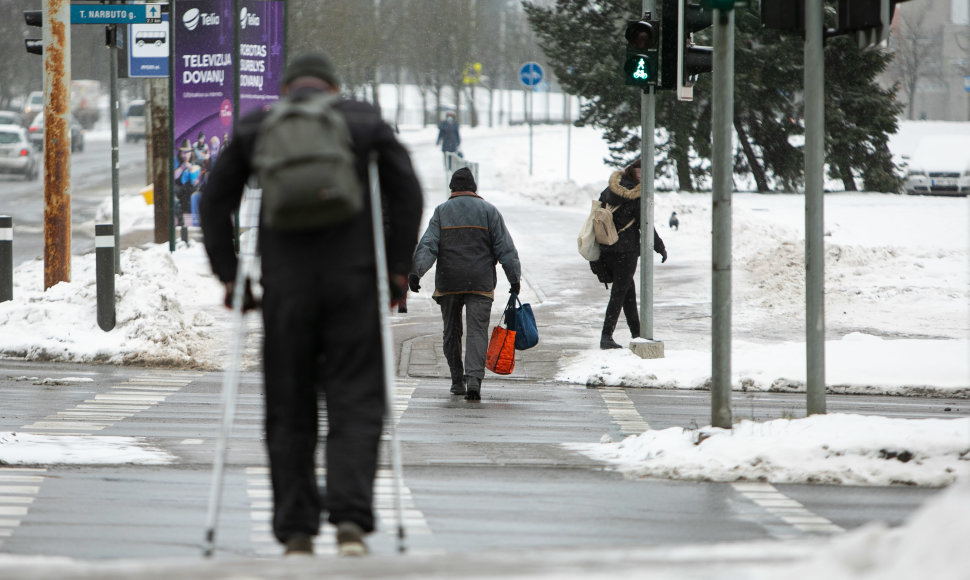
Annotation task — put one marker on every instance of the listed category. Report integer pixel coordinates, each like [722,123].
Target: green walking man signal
[640,66]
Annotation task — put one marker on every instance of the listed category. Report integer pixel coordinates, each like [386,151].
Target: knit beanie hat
[311,64]
[463,180]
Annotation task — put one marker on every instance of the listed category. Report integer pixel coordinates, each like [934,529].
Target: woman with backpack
[623,193]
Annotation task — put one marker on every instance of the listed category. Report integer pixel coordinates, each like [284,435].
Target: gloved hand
[663,256]
[514,289]
[414,282]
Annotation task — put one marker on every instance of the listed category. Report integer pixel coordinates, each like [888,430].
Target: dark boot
[607,342]
[458,384]
[474,389]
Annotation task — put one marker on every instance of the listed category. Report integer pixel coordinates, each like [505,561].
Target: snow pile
[840,449]
[167,312]
[932,544]
[856,364]
[29,449]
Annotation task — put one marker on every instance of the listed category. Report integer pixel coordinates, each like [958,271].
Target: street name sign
[116,13]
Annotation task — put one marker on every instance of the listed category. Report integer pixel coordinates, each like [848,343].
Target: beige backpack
[604,230]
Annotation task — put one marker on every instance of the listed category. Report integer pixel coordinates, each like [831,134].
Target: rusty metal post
[161,160]
[57,142]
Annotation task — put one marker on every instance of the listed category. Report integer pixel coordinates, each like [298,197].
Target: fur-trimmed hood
[621,190]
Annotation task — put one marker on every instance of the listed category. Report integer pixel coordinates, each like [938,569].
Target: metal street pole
[648,108]
[814,222]
[723,169]
[115,194]
[57,142]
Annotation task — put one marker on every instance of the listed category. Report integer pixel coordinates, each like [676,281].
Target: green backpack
[305,165]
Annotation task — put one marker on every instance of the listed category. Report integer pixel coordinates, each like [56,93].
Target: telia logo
[247,19]
[193,18]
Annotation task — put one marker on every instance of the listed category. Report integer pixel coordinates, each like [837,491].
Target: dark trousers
[623,294]
[477,308]
[322,341]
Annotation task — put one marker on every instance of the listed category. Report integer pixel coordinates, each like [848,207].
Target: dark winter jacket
[466,237]
[448,136]
[325,252]
[625,193]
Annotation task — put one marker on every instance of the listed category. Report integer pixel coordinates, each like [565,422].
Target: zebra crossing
[121,402]
[260,494]
[18,488]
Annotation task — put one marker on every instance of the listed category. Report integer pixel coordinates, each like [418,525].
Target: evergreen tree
[859,117]
[583,40]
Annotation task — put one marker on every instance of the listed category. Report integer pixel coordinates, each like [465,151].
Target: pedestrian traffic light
[640,65]
[34,18]
[680,60]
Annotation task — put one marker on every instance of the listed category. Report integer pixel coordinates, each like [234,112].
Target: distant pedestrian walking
[466,237]
[674,223]
[623,193]
[321,322]
[448,136]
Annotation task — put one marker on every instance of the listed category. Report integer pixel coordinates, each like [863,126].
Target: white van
[135,121]
[940,165]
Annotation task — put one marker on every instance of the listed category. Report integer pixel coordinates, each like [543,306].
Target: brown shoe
[350,540]
[299,545]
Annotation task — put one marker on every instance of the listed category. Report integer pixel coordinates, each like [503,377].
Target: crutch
[230,387]
[383,303]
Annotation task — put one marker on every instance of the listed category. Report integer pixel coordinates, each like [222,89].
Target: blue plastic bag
[521,319]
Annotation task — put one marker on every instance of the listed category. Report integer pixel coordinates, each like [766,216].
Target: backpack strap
[612,209]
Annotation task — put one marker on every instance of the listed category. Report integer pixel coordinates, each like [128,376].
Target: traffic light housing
[34,18]
[643,40]
[693,60]
[680,59]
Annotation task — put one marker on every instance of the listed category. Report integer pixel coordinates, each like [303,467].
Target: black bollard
[6,258]
[104,254]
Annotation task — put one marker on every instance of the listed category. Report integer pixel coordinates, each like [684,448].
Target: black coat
[625,193]
[326,251]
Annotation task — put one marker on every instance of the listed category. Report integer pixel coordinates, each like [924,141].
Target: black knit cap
[463,180]
[311,64]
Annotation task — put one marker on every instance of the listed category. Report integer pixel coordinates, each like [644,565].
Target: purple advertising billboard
[260,37]
[210,44]
[203,92]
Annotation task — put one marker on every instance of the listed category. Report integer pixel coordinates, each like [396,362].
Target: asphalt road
[90,186]
[492,475]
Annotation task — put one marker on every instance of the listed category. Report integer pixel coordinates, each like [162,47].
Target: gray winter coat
[467,237]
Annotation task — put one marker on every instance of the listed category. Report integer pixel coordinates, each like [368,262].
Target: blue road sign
[530,74]
[115,13]
[148,49]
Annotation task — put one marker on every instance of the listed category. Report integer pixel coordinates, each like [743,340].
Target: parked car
[36,132]
[16,154]
[11,118]
[33,105]
[940,165]
[135,121]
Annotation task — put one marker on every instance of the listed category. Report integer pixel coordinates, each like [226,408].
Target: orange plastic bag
[500,357]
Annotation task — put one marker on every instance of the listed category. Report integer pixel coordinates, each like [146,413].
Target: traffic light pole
[112,36]
[648,107]
[814,222]
[723,169]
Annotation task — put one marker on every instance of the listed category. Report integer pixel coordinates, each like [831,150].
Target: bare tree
[917,56]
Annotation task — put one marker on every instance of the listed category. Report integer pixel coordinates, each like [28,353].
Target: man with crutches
[321,319]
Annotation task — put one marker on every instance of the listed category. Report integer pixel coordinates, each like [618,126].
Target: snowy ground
[897,319]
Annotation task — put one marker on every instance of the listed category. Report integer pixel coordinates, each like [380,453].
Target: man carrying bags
[466,236]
